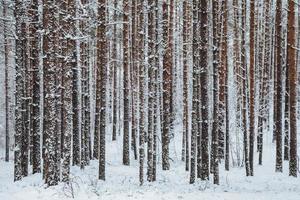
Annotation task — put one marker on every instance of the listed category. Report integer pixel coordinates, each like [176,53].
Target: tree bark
[291,63]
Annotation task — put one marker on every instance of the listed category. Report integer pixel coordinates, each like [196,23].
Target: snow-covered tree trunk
[6,66]
[126,79]
[50,88]
[215,126]
[36,73]
[115,70]
[141,70]
[186,41]
[167,80]
[291,62]
[101,83]
[20,81]
[278,87]
[195,96]
[151,86]
[204,74]
[68,65]
[244,80]
[134,80]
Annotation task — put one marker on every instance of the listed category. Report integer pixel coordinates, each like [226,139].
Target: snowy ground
[122,183]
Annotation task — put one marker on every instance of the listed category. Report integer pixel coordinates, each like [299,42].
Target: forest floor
[122,183]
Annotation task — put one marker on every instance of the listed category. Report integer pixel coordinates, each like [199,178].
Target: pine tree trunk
[69,64]
[140,56]
[115,69]
[215,126]
[134,80]
[19,94]
[35,45]
[151,87]
[195,96]
[186,40]
[286,115]
[252,85]
[156,91]
[6,66]
[278,86]
[51,168]
[76,97]
[167,81]
[203,27]
[26,109]
[101,80]
[223,84]
[244,100]
[291,63]
[126,61]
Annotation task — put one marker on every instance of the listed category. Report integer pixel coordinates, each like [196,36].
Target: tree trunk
[195,98]
[278,116]
[186,40]
[35,45]
[134,80]
[215,126]
[291,63]
[244,106]
[203,27]
[6,66]
[140,56]
[167,80]
[126,61]
[50,69]
[151,86]
[101,80]
[19,94]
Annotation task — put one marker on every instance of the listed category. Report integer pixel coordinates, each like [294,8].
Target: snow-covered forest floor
[122,182]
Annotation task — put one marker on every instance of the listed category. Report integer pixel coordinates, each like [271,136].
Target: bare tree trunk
[195,97]
[291,63]
[203,27]
[167,81]
[126,61]
[141,70]
[101,80]
[6,66]
[151,86]
[244,67]
[134,80]
[186,40]
[215,127]
[278,116]
[35,47]
[252,85]
[69,63]
[223,84]
[115,69]
[51,167]
[20,80]
[156,92]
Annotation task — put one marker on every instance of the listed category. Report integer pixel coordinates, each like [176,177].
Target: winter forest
[145,99]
